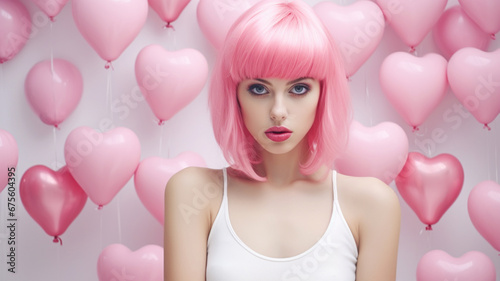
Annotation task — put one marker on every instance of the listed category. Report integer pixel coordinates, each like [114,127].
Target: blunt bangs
[281,53]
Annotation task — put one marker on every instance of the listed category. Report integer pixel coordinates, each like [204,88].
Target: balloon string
[2,94]
[55,146]
[161,140]
[119,220]
[100,227]
[109,93]
[496,161]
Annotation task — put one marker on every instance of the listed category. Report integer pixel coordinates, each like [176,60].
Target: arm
[186,227]
[378,233]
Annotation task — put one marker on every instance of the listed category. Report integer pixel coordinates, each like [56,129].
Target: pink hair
[281,39]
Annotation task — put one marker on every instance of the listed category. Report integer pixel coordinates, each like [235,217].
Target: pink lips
[278,134]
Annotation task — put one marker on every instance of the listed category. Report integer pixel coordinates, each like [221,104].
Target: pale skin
[289,212]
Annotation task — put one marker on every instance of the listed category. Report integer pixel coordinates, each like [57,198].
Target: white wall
[125,220]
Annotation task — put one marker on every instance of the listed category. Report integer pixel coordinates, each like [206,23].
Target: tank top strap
[224,194]
[334,184]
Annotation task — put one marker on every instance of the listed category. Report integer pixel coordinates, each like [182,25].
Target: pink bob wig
[280,39]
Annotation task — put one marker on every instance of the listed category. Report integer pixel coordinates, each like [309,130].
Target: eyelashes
[260,89]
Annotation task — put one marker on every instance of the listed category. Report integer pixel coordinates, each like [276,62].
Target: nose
[279,111]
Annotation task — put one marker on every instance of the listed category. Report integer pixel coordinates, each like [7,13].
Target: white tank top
[332,258]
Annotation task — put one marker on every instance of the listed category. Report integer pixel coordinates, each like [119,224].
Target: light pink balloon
[51,7]
[15,28]
[117,262]
[474,78]
[152,176]
[437,265]
[484,13]
[168,10]
[357,29]
[484,211]
[53,90]
[102,163]
[9,154]
[414,85]
[215,17]
[379,151]
[455,30]
[412,20]
[109,26]
[430,185]
[52,199]
[170,80]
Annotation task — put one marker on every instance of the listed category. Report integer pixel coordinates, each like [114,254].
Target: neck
[283,169]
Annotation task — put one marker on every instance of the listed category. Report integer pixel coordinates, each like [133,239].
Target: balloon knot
[57,126]
[493,37]
[415,129]
[57,239]
[428,227]
[348,78]
[99,207]
[52,19]
[169,25]
[412,49]
[161,122]
[108,65]
[486,127]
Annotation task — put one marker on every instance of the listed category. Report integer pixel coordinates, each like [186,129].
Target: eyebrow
[291,82]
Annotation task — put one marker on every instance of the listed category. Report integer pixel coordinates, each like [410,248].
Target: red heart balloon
[52,199]
[430,185]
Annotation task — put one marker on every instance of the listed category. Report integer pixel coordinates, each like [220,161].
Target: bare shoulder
[196,190]
[367,191]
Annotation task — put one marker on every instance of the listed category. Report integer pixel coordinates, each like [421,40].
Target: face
[277,112]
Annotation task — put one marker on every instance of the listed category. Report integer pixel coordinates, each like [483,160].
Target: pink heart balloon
[455,30]
[51,7]
[412,20]
[430,185]
[53,90]
[484,211]
[414,85]
[9,154]
[102,163]
[109,26]
[357,30]
[52,199]
[215,17]
[162,75]
[152,176]
[117,262]
[168,10]
[378,151]
[474,78]
[437,265]
[15,28]
[484,13]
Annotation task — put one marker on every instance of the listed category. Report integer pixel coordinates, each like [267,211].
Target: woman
[280,110]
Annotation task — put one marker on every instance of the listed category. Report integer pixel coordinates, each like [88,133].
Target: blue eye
[257,89]
[300,89]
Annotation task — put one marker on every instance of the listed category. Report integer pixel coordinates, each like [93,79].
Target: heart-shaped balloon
[51,7]
[15,28]
[430,185]
[474,78]
[9,154]
[215,17]
[484,13]
[437,265]
[484,211]
[455,30]
[357,29]
[162,75]
[168,10]
[412,20]
[152,176]
[102,163]
[53,90]
[52,199]
[414,85]
[117,262]
[109,26]
[379,151]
